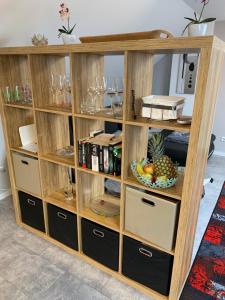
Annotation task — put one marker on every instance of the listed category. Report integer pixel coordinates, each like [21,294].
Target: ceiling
[215,8]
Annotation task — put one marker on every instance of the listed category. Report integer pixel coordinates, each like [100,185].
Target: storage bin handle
[24,162]
[148,202]
[61,215]
[98,233]
[145,252]
[31,202]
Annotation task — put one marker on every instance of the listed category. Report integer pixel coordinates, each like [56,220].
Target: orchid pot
[68,38]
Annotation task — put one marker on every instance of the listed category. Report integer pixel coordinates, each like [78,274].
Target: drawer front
[150,217]
[27,173]
[32,211]
[62,226]
[100,243]
[147,265]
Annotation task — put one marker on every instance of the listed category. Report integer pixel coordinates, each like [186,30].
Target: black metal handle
[145,252]
[31,202]
[148,202]
[61,215]
[98,233]
[24,162]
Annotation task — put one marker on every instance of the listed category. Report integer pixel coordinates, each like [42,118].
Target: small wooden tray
[154,34]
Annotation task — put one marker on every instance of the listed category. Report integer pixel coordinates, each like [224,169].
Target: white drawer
[27,173]
[151,217]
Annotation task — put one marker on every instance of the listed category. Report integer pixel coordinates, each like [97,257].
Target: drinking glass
[53,87]
[101,89]
[111,91]
[7,95]
[18,94]
[84,105]
[119,86]
[67,91]
[68,189]
[117,108]
[27,95]
[93,92]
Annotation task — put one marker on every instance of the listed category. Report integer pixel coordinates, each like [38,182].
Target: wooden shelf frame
[137,62]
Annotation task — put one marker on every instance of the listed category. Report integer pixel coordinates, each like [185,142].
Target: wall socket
[222,139]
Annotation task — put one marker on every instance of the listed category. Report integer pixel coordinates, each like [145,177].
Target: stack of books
[101,152]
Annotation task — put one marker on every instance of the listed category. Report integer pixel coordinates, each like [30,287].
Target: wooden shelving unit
[34,65]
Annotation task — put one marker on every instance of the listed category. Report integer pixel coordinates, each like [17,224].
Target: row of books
[101,152]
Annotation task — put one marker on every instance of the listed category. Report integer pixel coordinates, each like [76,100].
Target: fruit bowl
[158,184]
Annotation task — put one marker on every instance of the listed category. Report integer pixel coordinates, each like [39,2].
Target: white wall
[21,19]
[219,124]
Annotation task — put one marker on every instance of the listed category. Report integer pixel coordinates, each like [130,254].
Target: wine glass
[101,89]
[53,87]
[111,91]
[67,91]
[93,92]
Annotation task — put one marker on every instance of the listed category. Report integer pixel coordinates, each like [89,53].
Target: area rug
[206,280]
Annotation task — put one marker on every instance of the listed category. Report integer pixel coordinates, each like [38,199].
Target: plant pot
[201,29]
[69,38]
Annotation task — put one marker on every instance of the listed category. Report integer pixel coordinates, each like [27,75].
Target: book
[89,155]
[117,154]
[101,158]
[96,132]
[95,157]
[106,159]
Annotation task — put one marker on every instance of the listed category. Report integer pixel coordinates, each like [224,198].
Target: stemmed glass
[92,92]
[53,87]
[101,89]
[111,91]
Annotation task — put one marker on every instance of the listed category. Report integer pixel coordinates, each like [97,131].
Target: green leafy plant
[64,13]
[198,20]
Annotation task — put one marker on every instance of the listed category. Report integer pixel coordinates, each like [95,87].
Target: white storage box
[27,174]
[150,217]
[162,107]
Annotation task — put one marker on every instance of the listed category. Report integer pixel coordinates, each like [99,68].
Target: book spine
[117,161]
[101,159]
[95,158]
[111,160]
[84,162]
[80,161]
[106,159]
[88,155]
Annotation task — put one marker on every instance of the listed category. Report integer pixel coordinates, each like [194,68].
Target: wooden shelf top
[21,106]
[109,222]
[55,110]
[57,198]
[116,178]
[188,44]
[22,151]
[170,125]
[100,116]
[136,237]
[174,192]
[52,157]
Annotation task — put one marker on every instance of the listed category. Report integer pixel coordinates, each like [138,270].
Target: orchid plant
[198,20]
[64,13]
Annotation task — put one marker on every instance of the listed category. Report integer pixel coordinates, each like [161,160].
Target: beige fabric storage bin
[151,217]
[27,173]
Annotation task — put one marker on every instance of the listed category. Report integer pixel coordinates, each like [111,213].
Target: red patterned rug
[206,280]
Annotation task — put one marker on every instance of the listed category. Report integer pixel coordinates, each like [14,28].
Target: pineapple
[162,163]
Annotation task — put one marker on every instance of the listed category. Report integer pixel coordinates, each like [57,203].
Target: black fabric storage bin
[100,243]
[147,265]
[31,211]
[62,226]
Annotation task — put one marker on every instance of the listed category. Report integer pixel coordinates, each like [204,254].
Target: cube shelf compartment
[58,127]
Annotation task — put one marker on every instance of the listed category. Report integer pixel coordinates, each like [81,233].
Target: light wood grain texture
[58,198]
[209,72]
[139,78]
[15,118]
[172,45]
[23,106]
[87,62]
[154,34]
[42,67]
[52,132]
[19,150]
[88,66]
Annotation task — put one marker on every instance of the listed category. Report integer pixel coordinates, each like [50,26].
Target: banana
[140,169]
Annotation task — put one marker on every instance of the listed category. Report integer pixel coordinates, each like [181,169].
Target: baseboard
[5,194]
[219,153]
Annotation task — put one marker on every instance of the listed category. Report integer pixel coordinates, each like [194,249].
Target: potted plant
[199,26]
[66,33]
